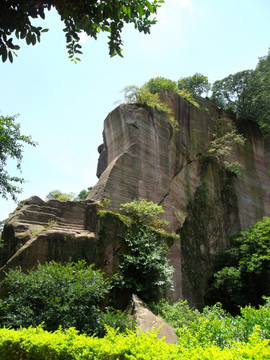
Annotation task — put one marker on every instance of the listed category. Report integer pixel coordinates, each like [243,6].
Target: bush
[144,212]
[55,295]
[242,275]
[144,270]
[32,343]
[214,325]
[159,84]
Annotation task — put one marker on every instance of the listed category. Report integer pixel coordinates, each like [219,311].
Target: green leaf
[149,6]
[33,39]
[124,9]
[4,56]
[140,11]
[29,38]
[10,56]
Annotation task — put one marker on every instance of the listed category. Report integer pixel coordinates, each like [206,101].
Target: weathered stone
[147,158]
[147,320]
[144,156]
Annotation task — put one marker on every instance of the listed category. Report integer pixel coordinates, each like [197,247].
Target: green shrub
[55,295]
[29,344]
[242,274]
[159,84]
[144,270]
[144,212]
[214,325]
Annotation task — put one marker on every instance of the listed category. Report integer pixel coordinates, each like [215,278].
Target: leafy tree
[196,84]
[84,193]
[243,270]
[246,94]
[58,195]
[228,92]
[158,84]
[91,17]
[144,270]
[256,96]
[11,146]
[55,294]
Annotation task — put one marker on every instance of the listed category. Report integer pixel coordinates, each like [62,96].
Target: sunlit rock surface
[145,156]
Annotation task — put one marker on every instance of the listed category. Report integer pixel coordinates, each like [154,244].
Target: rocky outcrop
[40,231]
[147,320]
[144,155]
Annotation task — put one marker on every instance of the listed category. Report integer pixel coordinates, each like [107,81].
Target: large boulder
[147,320]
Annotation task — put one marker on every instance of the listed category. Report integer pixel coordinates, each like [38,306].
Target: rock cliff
[146,156]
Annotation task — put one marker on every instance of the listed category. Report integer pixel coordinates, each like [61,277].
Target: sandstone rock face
[148,321]
[40,231]
[145,156]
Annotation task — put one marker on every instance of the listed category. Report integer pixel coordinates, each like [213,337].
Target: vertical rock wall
[144,156]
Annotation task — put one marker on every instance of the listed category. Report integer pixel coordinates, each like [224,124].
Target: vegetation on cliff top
[244,95]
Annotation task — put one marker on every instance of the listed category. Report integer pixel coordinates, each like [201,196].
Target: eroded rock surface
[145,156]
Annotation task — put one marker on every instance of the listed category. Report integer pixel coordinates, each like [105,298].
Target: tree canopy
[89,16]
[196,84]
[59,195]
[246,94]
[11,146]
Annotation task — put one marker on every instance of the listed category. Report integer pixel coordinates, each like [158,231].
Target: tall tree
[11,145]
[246,94]
[228,92]
[89,16]
[196,84]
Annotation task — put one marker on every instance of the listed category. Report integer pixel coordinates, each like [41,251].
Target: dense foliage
[60,196]
[143,212]
[148,94]
[91,17]
[58,295]
[144,269]
[33,343]
[196,84]
[214,325]
[11,147]
[243,271]
[246,94]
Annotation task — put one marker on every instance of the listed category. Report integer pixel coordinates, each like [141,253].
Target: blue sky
[63,105]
